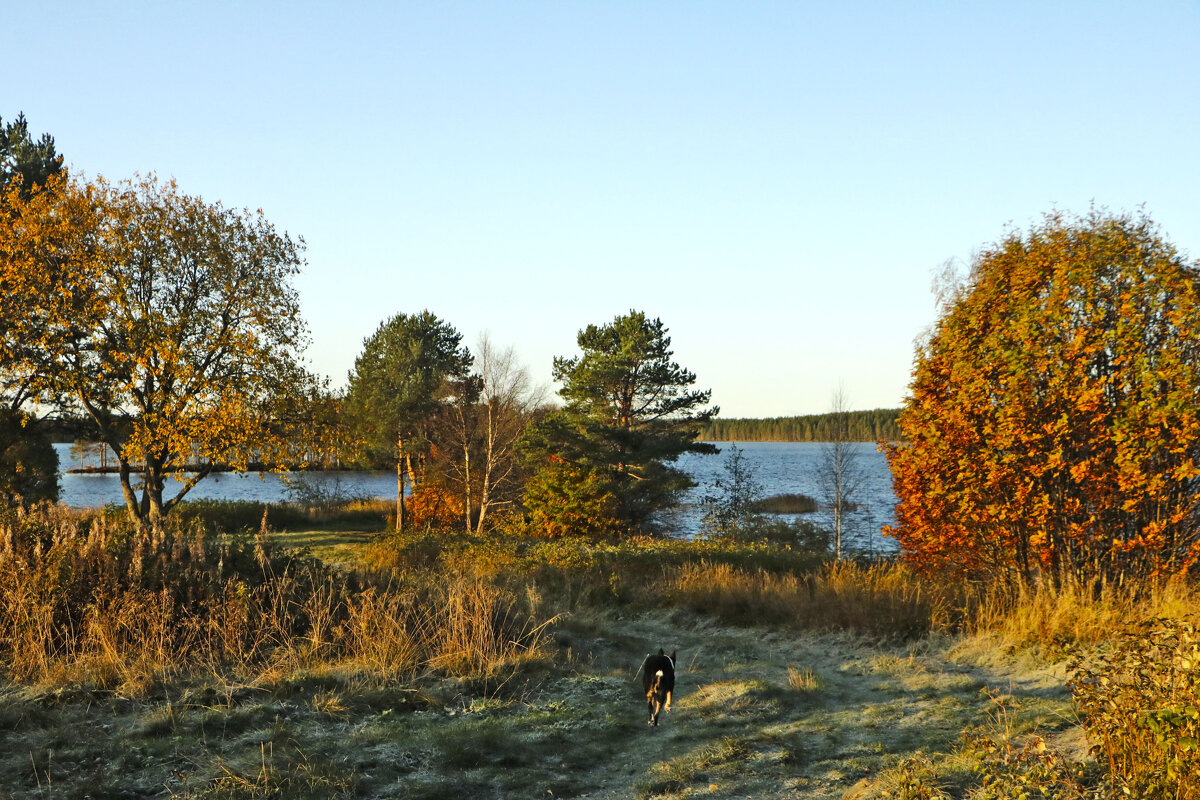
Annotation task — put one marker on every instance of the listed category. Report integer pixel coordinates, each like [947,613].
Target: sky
[777,181]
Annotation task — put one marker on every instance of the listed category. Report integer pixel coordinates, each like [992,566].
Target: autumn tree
[400,381]
[170,322]
[629,413]
[481,427]
[1052,428]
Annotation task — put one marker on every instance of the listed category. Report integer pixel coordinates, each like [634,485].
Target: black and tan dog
[658,679]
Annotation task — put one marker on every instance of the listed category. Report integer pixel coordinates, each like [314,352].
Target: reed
[784,504]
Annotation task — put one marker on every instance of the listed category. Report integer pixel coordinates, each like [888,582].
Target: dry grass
[882,599]
[1072,614]
[228,667]
[88,601]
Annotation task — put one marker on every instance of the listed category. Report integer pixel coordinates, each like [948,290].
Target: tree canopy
[1052,428]
[170,322]
[630,411]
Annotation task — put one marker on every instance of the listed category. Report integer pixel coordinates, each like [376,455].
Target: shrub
[1140,704]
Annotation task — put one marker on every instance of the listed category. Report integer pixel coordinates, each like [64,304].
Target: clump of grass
[1057,619]
[884,599]
[803,680]
[784,504]
[289,774]
[722,757]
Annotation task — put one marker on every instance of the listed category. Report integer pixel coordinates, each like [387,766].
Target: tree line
[880,424]
[169,329]
[1051,433]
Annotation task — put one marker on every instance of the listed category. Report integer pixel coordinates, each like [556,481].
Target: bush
[1051,429]
[1140,704]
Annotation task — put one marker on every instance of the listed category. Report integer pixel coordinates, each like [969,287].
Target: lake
[781,468]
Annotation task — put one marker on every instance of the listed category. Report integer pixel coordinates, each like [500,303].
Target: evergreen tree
[28,462]
[629,412]
[398,382]
[23,160]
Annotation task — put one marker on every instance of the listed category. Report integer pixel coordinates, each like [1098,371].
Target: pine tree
[629,413]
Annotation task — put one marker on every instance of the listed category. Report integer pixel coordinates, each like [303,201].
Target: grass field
[336,662]
[758,713]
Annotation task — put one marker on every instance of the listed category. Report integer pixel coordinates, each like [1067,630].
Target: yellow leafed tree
[170,322]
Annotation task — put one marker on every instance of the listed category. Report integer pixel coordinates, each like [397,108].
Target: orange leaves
[1053,423]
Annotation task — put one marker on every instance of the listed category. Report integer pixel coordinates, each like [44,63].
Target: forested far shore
[865,426]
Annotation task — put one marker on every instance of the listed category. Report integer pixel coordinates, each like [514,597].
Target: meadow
[241,651]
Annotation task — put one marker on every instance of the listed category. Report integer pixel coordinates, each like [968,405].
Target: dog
[658,679]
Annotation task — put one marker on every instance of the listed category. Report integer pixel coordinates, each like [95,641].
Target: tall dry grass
[884,599]
[1072,614]
[90,599]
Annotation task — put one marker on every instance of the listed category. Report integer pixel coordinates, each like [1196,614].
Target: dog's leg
[668,706]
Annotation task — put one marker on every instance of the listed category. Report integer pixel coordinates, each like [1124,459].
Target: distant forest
[865,426]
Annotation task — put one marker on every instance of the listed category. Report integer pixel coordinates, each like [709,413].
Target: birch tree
[840,474]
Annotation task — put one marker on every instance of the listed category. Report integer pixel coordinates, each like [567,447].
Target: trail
[800,715]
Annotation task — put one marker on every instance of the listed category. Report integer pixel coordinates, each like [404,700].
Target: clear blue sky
[777,181]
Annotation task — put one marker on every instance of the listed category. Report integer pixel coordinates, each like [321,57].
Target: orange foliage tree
[1053,427]
[168,321]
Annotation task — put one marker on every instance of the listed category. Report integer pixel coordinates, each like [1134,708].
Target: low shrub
[1140,704]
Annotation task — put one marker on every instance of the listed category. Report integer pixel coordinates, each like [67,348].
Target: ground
[758,713]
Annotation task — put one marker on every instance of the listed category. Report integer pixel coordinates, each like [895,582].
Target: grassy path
[758,713]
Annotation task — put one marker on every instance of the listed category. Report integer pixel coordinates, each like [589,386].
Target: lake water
[780,467]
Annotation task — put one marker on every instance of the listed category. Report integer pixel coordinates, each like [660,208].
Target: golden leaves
[1053,418]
